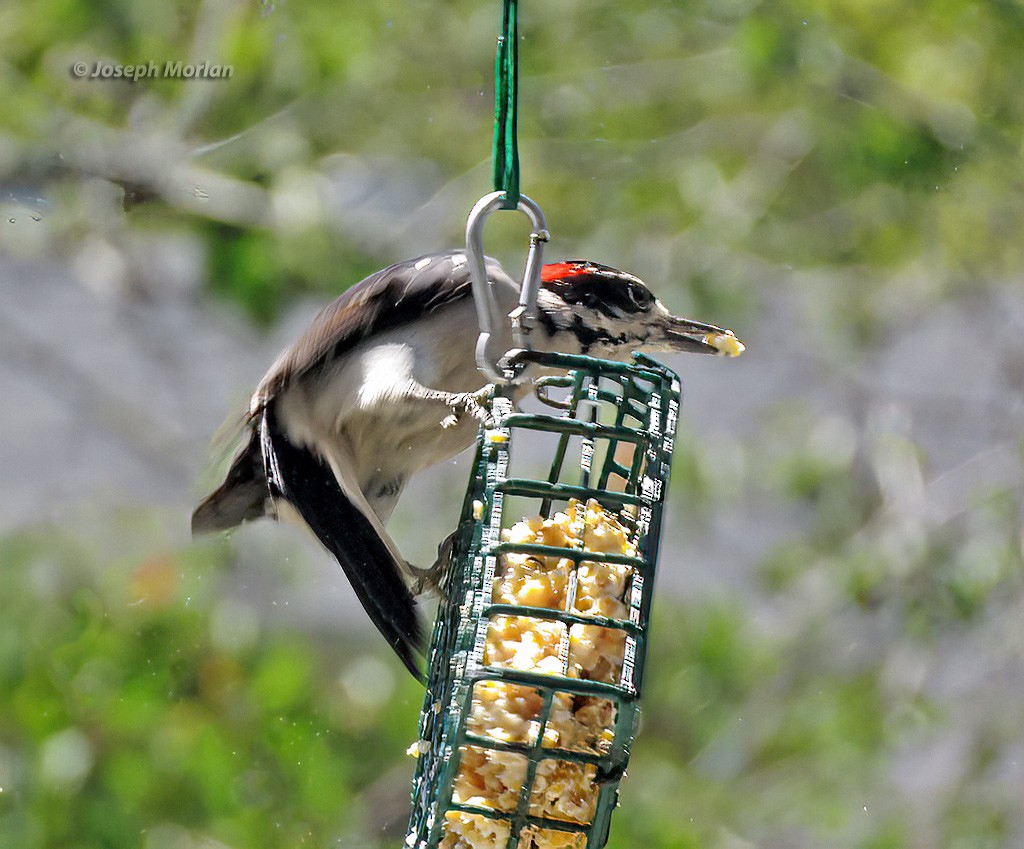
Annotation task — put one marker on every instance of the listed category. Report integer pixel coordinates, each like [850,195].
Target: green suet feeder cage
[608,428]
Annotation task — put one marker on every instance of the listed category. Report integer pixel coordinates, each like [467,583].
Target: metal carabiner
[522,317]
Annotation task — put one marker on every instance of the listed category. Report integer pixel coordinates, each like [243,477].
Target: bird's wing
[389,298]
[307,482]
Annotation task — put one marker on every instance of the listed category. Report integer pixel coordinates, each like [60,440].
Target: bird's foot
[432,578]
[475,404]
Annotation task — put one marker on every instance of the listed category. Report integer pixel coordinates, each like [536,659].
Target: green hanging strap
[506,82]
[490,348]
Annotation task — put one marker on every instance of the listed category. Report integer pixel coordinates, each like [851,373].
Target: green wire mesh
[610,435]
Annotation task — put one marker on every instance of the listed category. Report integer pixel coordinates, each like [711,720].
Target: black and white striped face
[606,290]
[613,313]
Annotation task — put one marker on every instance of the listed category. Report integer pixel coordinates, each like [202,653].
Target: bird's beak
[684,335]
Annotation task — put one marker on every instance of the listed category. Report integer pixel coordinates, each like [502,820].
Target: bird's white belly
[398,446]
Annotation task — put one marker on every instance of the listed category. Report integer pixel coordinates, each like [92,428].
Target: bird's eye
[640,296]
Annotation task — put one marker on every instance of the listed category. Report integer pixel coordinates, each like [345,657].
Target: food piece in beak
[682,334]
[726,344]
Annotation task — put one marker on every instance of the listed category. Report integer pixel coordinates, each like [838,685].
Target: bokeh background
[838,655]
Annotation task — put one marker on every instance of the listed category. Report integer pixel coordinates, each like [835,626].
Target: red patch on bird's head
[563,270]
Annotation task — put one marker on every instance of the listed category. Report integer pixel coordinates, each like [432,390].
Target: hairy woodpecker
[383,384]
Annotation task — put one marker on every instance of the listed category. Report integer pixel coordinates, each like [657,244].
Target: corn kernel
[725,343]
[511,713]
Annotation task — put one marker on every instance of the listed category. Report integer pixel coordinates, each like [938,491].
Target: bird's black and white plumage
[372,393]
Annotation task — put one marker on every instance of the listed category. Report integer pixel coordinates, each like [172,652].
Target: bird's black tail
[242,496]
[308,483]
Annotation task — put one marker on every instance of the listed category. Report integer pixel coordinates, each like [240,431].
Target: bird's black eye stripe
[640,296]
[604,289]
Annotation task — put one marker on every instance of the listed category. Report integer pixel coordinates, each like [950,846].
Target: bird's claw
[474,404]
[431,578]
[425,580]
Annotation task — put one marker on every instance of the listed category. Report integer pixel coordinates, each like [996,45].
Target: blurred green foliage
[865,155]
[715,138]
[161,711]
[132,713]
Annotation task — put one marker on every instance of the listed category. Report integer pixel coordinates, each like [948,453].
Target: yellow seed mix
[510,713]
[469,831]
